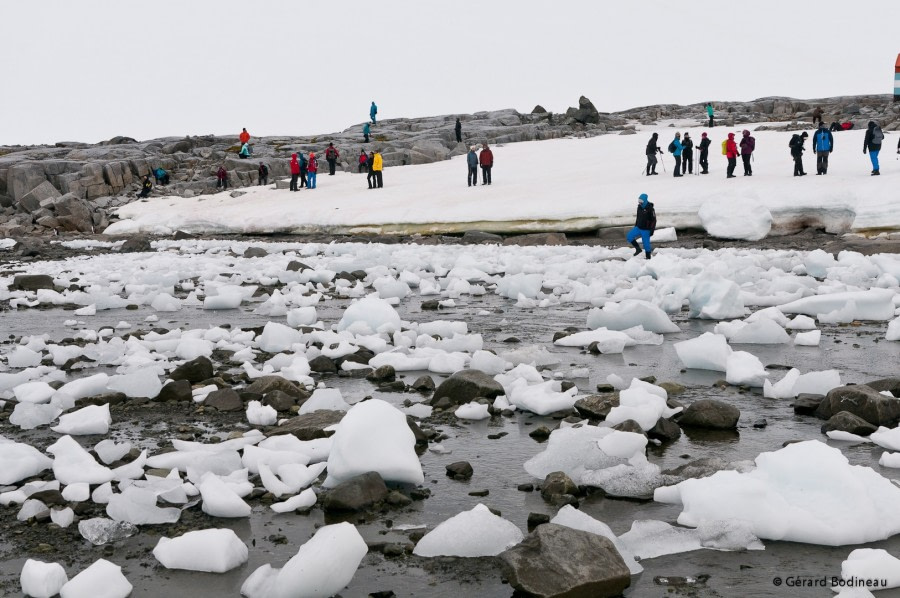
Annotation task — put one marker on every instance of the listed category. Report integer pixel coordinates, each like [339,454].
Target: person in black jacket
[458,130]
[823,145]
[703,159]
[687,155]
[644,226]
[872,144]
[796,145]
[371,179]
[263,174]
[146,186]
[651,152]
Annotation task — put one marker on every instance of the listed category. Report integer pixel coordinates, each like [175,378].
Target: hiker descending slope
[796,145]
[644,226]
[823,145]
[872,144]
[652,150]
[748,144]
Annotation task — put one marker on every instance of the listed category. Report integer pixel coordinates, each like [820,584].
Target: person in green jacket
[366,132]
[245,151]
[709,112]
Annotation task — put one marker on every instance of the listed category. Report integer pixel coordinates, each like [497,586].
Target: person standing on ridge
[373,110]
[748,144]
[472,162]
[366,131]
[731,152]
[486,159]
[312,170]
[675,148]
[377,167]
[458,130]
[872,143]
[817,115]
[644,226]
[796,145]
[363,159]
[244,136]
[709,113]
[651,151]
[295,171]
[687,155]
[703,159]
[823,145]
[146,187]
[263,174]
[222,178]
[331,155]
[304,164]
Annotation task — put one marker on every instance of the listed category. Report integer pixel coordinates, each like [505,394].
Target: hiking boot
[637,248]
[648,254]
[731,176]
[875,173]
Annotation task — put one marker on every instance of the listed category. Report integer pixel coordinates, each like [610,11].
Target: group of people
[485,159]
[682,149]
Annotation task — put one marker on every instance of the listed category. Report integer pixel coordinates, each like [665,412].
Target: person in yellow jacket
[375,180]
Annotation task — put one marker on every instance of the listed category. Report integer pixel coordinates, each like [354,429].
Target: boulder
[178,390]
[863,401]
[73,213]
[597,406]
[423,384]
[32,200]
[844,421]
[356,494]
[279,400]
[322,365]
[559,561]
[461,470]
[710,413]
[585,114]
[807,404]
[295,266]
[892,385]
[136,244]
[384,373]
[255,252]
[698,468]
[266,384]
[32,282]
[664,430]
[309,426]
[194,371]
[224,399]
[477,236]
[465,386]
[557,483]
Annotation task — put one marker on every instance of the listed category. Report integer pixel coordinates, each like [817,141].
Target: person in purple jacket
[748,144]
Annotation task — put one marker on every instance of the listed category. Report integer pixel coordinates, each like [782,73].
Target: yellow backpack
[725,148]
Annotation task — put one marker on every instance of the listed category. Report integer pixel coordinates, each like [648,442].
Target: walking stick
[663,162]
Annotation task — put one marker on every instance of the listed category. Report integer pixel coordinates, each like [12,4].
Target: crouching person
[644,226]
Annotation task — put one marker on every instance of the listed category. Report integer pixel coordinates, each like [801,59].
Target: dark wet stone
[710,413]
[467,385]
[423,384]
[384,373]
[267,384]
[844,421]
[31,282]
[224,399]
[178,390]
[629,425]
[461,470]
[536,519]
[863,401]
[309,426]
[279,400]
[557,483]
[540,434]
[356,494]
[322,365]
[194,371]
[597,407]
[664,430]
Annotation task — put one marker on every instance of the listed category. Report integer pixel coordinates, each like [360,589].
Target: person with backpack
[263,174]
[651,152]
[363,159]
[331,156]
[644,226]
[486,159]
[312,170]
[244,136]
[796,145]
[295,171]
[748,144]
[161,176]
[472,163]
[675,148]
[377,167]
[222,178]
[872,144]
[687,155]
[458,130]
[304,170]
[146,187]
[709,113]
[730,151]
[703,158]
[366,131]
[373,110]
[823,145]
[245,151]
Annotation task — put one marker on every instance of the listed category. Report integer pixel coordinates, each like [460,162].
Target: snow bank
[735,218]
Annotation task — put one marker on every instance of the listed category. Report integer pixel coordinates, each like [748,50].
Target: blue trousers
[311,180]
[873,155]
[643,234]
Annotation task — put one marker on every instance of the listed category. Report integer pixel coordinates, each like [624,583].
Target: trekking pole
[663,162]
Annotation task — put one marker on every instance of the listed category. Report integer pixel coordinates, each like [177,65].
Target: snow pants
[311,180]
[873,156]
[703,161]
[486,175]
[332,162]
[643,234]
[822,162]
[687,162]
[748,170]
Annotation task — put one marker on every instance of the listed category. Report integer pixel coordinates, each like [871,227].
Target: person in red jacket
[244,136]
[331,155]
[222,178]
[295,171]
[364,159]
[311,170]
[486,160]
[731,152]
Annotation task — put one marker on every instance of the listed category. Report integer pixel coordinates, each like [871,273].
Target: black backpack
[651,218]
[795,140]
[671,148]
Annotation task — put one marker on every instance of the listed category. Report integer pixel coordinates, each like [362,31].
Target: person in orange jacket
[244,136]
[731,152]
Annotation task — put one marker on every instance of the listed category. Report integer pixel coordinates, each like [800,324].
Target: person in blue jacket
[472,161]
[823,145]
[373,110]
[676,147]
[644,226]
[366,132]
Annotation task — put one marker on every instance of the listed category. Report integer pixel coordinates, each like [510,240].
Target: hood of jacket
[746,133]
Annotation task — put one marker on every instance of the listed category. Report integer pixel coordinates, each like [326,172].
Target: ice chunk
[42,580]
[31,508]
[893,331]
[761,332]
[261,415]
[141,383]
[85,387]
[888,438]
[569,516]
[706,352]
[744,369]
[527,285]
[488,363]
[28,415]
[110,451]
[649,539]
[872,564]
[784,388]
[302,316]
[77,492]
[219,500]
[93,419]
[304,500]
[715,298]
[277,337]
[73,464]
[889,459]
[817,383]
[208,550]
[34,392]
[802,322]
[874,304]
[62,517]
[470,534]
[138,507]
[191,348]
[321,568]
[374,436]
[99,530]
[572,451]
[640,404]
[89,310]
[370,315]
[101,580]
[808,339]
[542,398]
[608,341]
[23,357]
[473,411]
[746,220]
[324,398]
[165,302]
[629,313]
[389,287]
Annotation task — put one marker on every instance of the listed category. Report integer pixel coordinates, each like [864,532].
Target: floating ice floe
[470,534]
[629,313]
[649,539]
[875,565]
[208,550]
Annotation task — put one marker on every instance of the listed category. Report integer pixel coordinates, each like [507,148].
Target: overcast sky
[87,70]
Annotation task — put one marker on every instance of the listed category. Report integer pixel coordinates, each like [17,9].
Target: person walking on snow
[458,130]
[796,145]
[331,155]
[263,174]
[651,151]
[363,159]
[146,187]
[748,144]
[312,169]
[366,131]
[377,167]
[244,136]
[709,113]
[295,171]
[304,165]
[373,110]
[370,163]
[687,155]
[486,159]
[872,143]
[823,145]
[644,226]
[472,162]
[731,152]
[675,148]
[703,159]
[222,178]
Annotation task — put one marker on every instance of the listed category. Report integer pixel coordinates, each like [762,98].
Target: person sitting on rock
[363,159]
[161,176]
[222,178]
[146,186]
[245,151]
[644,226]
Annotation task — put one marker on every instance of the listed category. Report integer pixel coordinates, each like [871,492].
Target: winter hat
[746,133]
[643,197]
[872,124]
[703,135]
[804,134]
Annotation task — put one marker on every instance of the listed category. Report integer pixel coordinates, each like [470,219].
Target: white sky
[87,70]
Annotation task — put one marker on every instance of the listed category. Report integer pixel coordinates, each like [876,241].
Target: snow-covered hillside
[561,184]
